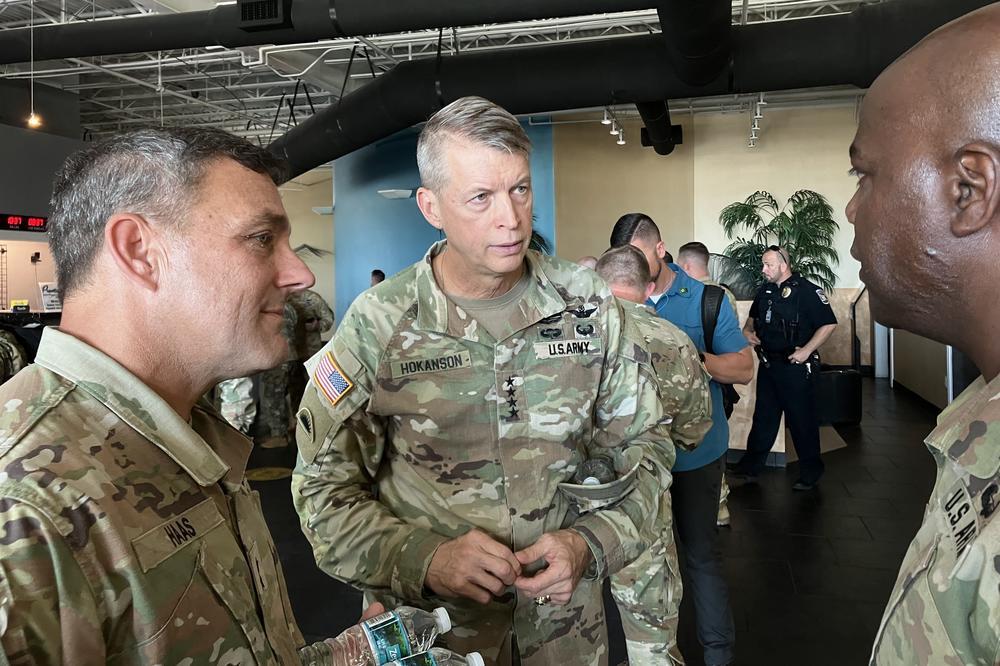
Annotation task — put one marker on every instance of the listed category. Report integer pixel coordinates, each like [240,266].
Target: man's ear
[427,202]
[135,249]
[661,250]
[650,288]
[974,188]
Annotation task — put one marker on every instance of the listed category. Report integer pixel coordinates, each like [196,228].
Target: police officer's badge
[822,296]
[786,292]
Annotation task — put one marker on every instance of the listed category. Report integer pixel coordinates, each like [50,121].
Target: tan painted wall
[597,181]
[316,230]
[921,366]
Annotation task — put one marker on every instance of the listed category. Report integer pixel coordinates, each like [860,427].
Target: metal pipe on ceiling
[822,51]
[310,19]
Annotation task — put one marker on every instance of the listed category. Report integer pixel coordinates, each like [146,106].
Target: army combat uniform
[945,607]
[130,535]
[648,591]
[313,317]
[273,412]
[453,429]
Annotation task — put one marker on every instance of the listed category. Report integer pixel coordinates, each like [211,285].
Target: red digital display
[12,222]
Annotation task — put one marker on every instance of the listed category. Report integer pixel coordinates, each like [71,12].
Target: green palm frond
[804,226]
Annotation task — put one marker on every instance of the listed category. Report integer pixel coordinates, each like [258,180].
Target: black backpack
[711,303]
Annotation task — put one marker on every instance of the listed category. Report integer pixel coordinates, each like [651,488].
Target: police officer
[789,319]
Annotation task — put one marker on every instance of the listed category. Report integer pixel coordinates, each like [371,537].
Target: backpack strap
[711,302]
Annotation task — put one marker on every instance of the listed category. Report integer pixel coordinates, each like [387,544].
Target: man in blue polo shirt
[698,473]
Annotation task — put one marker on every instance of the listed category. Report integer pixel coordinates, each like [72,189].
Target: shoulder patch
[822,297]
[331,380]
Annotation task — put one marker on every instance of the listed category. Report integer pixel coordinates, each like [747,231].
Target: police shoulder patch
[822,297]
[331,380]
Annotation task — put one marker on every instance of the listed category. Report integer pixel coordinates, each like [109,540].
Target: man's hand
[374,610]
[567,556]
[751,337]
[474,566]
[799,356]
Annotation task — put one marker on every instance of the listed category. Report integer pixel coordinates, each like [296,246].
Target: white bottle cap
[443,620]
[474,659]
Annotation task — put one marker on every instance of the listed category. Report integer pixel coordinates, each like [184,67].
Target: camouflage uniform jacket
[417,426]
[683,379]
[945,608]
[310,308]
[130,536]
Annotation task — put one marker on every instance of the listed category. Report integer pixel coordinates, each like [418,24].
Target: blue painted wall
[371,231]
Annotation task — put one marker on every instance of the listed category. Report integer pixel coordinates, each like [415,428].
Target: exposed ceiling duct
[658,132]
[845,49]
[310,20]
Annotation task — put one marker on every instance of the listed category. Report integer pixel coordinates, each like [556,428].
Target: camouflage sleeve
[354,537]
[628,412]
[49,610]
[324,314]
[686,396]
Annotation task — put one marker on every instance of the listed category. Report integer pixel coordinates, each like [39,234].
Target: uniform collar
[439,314]
[145,411]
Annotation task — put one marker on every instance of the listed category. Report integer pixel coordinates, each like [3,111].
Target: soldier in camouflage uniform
[445,420]
[648,591]
[130,533]
[236,403]
[313,318]
[273,409]
[926,215]
[12,356]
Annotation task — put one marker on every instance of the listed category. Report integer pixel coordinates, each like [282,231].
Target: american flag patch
[331,380]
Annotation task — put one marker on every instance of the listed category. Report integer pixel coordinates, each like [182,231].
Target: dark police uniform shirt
[787,315]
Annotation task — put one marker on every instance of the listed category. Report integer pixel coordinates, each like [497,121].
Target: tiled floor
[809,573]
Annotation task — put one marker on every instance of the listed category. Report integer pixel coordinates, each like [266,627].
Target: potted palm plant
[804,226]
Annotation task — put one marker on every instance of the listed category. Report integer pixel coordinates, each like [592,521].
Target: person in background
[697,475]
[648,591]
[377,277]
[693,258]
[789,319]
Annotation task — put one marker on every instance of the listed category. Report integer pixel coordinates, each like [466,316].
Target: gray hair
[153,172]
[624,266]
[475,119]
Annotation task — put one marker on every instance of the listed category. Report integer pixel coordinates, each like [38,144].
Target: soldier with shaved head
[648,591]
[927,233]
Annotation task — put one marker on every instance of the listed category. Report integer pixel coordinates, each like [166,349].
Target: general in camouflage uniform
[648,592]
[457,430]
[926,216]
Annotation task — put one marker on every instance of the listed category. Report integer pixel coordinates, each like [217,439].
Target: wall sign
[19,222]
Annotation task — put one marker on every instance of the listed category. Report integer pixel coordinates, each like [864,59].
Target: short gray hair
[624,266]
[153,172]
[475,119]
